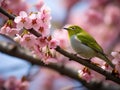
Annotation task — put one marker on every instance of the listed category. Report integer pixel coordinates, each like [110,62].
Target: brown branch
[10,16]
[16,51]
[108,75]
[35,32]
[86,63]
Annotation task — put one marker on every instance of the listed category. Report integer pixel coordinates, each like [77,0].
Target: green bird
[85,45]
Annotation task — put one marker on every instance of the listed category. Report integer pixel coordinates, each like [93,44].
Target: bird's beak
[66,28]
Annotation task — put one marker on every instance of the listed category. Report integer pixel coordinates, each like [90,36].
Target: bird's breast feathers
[80,48]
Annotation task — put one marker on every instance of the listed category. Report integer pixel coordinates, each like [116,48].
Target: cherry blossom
[28,40]
[112,16]
[39,4]
[42,41]
[45,20]
[8,31]
[1,2]
[14,6]
[62,37]
[12,83]
[86,74]
[98,3]
[116,60]
[23,21]
[35,23]
[40,22]
[53,43]
[94,14]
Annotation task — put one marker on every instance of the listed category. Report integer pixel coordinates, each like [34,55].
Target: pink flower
[40,21]
[44,29]
[14,6]
[112,15]
[8,31]
[53,44]
[28,41]
[85,74]
[106,67]
[98,18]
[23,21]
[116,56]
[116,60]
[38,52]
[35,23]
[44,19]
[4,29]
[99,3]
[41,41]
[11,83]
[41,53]
[45,13]
[13,31]
[62,37]
[1,2]
[39,4]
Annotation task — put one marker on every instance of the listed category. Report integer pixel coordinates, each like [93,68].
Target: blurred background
[101,18]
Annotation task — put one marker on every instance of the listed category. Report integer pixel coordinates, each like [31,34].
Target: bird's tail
[105,58]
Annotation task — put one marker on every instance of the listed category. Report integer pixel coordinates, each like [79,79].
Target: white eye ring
[73,28]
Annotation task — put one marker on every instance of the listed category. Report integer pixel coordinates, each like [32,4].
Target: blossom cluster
[116,60]
[12,83]
[42,46]
[14,6]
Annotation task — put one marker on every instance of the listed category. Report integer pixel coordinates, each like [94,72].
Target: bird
[85,45]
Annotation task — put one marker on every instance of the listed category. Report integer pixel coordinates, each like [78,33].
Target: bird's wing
[89,41]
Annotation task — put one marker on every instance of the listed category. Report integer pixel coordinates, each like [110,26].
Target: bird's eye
[73,28]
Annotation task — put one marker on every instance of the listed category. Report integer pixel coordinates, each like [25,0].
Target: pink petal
[17,19]
[20,25]
[23,14]
[32,16]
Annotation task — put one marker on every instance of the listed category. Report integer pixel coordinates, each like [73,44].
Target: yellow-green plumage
[85,45]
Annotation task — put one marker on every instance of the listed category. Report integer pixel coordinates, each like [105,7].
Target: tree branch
[16,51]
[10,16]
[108,75]
[86,63]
